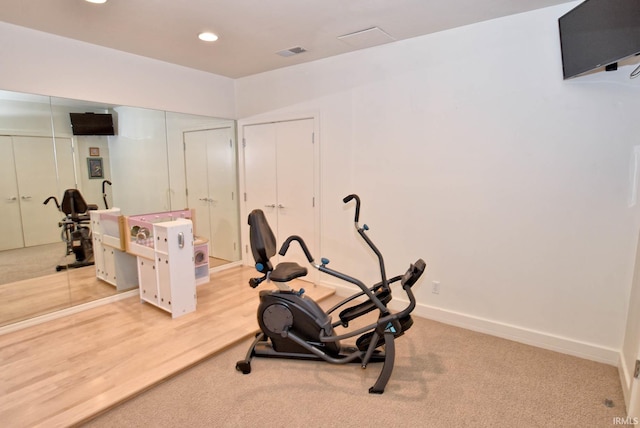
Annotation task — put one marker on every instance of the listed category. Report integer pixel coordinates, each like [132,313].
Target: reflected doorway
[210,174]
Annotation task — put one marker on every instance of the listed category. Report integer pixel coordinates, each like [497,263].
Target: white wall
[41,63]
[469,150]
[466,146]
[139,156]
[176,125]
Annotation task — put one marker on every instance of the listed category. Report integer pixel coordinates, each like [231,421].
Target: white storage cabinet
[168,279]
[113,265]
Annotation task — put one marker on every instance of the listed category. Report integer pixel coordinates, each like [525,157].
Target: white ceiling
[250,31]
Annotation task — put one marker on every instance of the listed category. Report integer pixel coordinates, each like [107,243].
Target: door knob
[25,198]
[270,206]
[13,198]
[280,206]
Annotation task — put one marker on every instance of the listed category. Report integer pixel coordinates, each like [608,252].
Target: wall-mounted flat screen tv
[597,33]
[92,123]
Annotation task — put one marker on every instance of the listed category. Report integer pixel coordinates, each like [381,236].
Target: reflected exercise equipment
[104,193]
[76,230]
[28,123]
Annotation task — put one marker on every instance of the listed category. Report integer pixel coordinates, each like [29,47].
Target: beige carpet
[32,262]
[444,377]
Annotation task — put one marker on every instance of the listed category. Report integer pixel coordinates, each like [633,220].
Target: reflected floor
[22,300]
[31,287]
[215,262]
[31,262]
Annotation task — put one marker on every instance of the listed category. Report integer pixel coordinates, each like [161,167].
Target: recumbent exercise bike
[75,227]
[292,325]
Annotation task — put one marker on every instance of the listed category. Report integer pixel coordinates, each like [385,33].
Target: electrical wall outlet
[435,288]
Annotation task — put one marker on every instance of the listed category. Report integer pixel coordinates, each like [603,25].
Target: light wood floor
[67,370]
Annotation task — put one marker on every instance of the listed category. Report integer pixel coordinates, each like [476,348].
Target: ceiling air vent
[370,37]
[291,51]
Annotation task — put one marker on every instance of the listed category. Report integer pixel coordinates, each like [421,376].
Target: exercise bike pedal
[243,366]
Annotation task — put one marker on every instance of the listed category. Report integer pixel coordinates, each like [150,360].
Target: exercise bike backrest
[263,247]
[73,205]
[263,241]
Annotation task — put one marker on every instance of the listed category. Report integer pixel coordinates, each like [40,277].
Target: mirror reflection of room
[143,166]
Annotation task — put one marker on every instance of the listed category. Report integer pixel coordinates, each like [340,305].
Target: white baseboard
[527,336]
[225,267]
[625,374]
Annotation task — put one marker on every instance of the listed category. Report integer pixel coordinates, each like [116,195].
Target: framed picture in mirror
[94,166]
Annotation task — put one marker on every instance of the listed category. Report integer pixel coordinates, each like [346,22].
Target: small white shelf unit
[201,260]
[163,244]
[113,265]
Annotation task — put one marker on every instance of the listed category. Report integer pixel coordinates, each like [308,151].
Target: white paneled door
[280,180]
[11,224]
[37,165]
[211,189]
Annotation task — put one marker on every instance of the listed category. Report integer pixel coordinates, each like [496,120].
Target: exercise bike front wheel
[243,366]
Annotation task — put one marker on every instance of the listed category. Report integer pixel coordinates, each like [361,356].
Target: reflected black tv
[598,33]
[92,124]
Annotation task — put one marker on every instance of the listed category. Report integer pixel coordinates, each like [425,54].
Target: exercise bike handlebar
[285,247]
[407,281]
[104,183]
[347,199]
[414,272]
[362,232]
[323,268]
[104,193]
[55,201]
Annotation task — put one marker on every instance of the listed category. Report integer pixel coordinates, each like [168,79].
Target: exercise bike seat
[286,271]
[263,247]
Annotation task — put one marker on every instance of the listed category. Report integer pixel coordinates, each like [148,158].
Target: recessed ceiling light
[207,37]
[97,1]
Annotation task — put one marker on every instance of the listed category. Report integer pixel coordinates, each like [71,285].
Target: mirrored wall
[152,161]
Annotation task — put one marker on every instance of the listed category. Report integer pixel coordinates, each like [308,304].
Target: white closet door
[36,173]
[279,179]
[195,152]
[260,172]
[295,185]
[210,166]
[222,194]
[11,224]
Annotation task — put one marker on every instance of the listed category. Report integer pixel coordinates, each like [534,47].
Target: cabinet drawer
[164,282]
[147,280]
